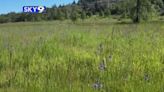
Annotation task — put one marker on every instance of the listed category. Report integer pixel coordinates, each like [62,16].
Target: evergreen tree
[83,15]
[140,10]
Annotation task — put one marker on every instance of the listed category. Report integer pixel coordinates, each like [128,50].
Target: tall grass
[82,57]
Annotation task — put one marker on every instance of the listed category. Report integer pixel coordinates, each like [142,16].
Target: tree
[60,14]
[101,13]
[83,15]
[107,12]
[140,10]
[74,15]
[3,19]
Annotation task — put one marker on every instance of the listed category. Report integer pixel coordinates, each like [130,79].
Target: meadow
[86,56]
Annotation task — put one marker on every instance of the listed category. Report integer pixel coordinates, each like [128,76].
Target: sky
[17,5]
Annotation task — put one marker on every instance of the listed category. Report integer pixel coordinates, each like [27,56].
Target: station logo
[34,9]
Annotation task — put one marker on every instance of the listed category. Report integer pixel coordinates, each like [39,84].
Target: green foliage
[3,19]
[83,15]
[139,10]
[75,14]
[101,13]
[146,9]
[107,12]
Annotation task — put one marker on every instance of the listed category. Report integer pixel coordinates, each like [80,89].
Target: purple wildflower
[146,77]
[97,85]
[102,65]
[110,58]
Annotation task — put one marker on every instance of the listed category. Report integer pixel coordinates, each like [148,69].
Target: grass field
[89,56]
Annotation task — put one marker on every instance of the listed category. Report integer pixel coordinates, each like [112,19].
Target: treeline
[72,11]
[137,10]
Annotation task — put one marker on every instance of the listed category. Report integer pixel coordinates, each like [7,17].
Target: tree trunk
[137,20]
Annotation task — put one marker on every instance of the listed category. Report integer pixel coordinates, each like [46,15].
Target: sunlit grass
[88,56]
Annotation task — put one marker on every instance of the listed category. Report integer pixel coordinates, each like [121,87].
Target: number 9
[41,9]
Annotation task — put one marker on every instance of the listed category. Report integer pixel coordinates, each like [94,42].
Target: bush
[3,19]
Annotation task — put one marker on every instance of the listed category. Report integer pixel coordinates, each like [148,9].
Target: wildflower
[100,49]
[102,65]
[146,77]
[110,58]
[101,46]
[97,85]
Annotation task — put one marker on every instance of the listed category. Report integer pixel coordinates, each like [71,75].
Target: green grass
[66,57]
